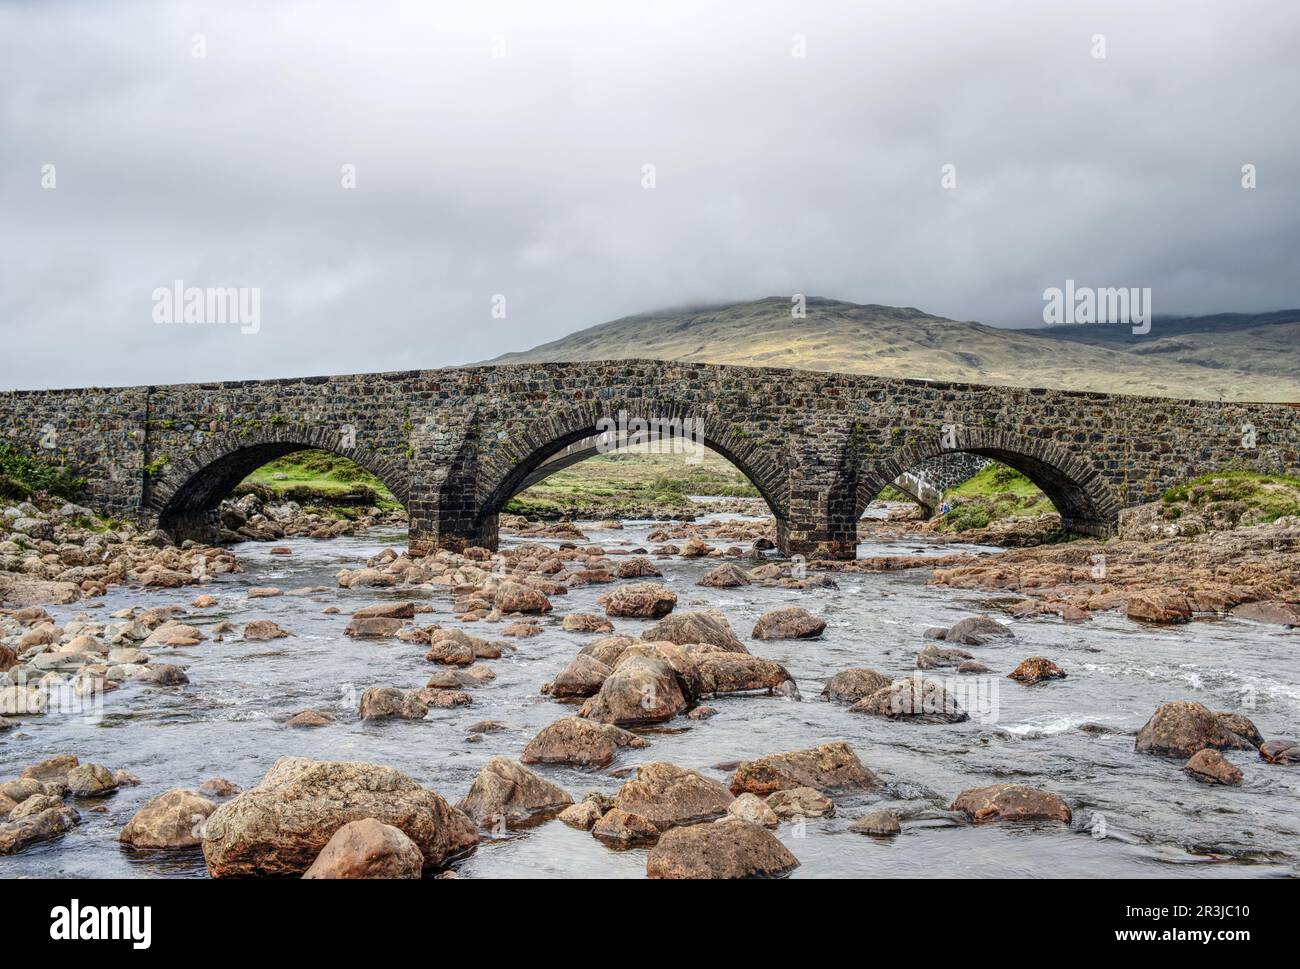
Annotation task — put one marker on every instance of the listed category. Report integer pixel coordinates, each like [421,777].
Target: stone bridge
[454,445]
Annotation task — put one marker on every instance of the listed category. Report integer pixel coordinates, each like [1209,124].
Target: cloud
[522,174]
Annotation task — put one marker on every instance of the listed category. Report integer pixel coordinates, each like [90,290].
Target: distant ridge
[1231,356]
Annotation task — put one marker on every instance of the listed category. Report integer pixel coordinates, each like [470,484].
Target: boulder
[280,826]
[1241,726]
[791,623]
[880,824]
[367,849]
[52,770]
[1153,605]
[829,767]
[850,686]
[913,699]
[310,718]
[91,780]
[801,802]
[722,672]
[42,826]
[636,567]
[667,796]
[934,657]
[976,631]
[1211,767]
[1274,613]
[518,597]
[1181,728]
[386,610]
[582,815]
[581,678]
[1035,669]
[642,689]
[263,629]
[619,829]
[171,820]
[584,622]
[383,702]
[505,791]
[708,626]
[640,600]
[731,848]
[725,576]
[751,807]
[580,742]
[1280,752]
[1010,802]
[373,627]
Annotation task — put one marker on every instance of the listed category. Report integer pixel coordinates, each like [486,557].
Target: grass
[1234,498]
[997,492]
[22,476]
[317,478]
[608,485]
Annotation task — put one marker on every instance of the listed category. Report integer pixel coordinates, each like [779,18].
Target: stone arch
[513,461]
[186,496]
[1080,493]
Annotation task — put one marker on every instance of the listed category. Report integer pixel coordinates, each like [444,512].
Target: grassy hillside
[1232,498]
[905,342]
[317,478]
[997,492]
[613,484]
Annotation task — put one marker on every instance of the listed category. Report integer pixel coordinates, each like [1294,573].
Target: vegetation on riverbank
[318,479]
[995,494]
[22,476]
[631,483]
[1228,499]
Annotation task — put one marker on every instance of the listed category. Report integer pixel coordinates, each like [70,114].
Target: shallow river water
[1135,815]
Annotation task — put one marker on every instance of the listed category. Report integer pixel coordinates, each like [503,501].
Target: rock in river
[580,742]
[801,802]
[667,796]
[642,689]
[832,766]
[506,791]
[1010,802]
[1211,767]
[640,600]
[696,626]
[792,623]
[1181,728]
[368,849]
[731,848]
[1035,669]
[850,686]
[915,699]
[171,820]
[280,826]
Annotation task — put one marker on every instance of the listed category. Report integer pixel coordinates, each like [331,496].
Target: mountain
[1232,356]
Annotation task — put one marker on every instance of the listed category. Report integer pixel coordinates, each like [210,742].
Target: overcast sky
[500,149]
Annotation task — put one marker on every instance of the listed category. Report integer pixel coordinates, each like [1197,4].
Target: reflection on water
[1157,821]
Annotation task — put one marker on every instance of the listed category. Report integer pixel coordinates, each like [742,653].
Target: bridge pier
[198,525]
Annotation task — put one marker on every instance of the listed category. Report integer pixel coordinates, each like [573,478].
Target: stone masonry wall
[453,443]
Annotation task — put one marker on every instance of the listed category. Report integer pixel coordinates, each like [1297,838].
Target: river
[1134,815]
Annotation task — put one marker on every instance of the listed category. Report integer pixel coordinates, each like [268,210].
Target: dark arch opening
[189,499]
[1081,497]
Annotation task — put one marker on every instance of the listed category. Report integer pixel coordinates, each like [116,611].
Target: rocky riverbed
[651,698]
